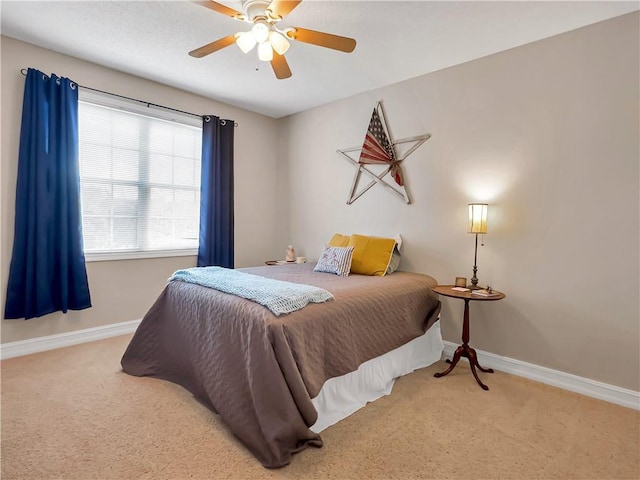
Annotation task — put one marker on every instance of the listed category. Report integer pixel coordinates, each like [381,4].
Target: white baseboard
[40,344]
[566,381]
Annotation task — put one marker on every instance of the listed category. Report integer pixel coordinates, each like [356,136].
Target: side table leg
[485,370]
[473,363]
[473,360]
[454,361]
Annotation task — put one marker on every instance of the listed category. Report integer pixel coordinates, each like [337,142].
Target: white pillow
[398,240]
[395,256]
[394,263]
[335,260]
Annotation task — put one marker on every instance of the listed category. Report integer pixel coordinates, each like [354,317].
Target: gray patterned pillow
[335,260]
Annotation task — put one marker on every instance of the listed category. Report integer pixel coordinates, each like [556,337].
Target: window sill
[134,255]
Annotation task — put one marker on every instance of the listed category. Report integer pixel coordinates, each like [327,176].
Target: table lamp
[477,225]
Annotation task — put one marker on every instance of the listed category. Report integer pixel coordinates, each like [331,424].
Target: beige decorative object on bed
[291,254]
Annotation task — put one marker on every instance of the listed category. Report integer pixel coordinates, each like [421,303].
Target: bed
[277,381]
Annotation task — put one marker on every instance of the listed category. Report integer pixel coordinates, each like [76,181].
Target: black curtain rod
[148,104]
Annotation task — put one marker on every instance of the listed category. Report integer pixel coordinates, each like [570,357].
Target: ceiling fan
[272,41]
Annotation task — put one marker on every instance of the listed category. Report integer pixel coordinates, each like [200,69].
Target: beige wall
[124,290]
[547,134]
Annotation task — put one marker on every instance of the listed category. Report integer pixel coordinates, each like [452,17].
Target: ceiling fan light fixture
[265,52]
[273,42]
[260,31]
[246,41]
[278,42]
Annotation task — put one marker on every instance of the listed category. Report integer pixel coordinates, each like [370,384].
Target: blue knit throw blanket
[278,296]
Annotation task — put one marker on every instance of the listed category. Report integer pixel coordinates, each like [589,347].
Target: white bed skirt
[342,396]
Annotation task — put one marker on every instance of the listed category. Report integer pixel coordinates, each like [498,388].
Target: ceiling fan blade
[280,8]
[220,8]
[213,46]
[336,42]
[280,66]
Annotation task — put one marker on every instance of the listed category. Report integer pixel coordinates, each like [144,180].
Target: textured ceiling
[396,40]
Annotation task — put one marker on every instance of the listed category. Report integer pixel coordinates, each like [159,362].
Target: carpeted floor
[73,414]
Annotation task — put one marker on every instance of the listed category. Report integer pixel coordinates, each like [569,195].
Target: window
[140,180]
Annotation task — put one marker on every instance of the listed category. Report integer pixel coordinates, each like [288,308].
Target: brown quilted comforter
[258,371]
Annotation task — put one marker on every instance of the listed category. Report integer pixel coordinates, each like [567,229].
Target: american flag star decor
[379,149]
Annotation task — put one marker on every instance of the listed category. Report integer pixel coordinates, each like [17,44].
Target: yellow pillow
[339,240]
[371,255]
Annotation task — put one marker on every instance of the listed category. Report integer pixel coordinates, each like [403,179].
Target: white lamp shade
[265,52]
[246,41]
[478,218]
[260,31]
[279,43]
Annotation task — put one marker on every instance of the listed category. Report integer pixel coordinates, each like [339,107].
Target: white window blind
[140,183]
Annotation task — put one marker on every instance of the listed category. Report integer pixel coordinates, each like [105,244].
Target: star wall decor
[379,156]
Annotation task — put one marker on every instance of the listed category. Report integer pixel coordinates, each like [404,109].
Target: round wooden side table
[465,350]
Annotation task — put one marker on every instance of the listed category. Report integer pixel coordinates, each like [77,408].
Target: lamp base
[474,280]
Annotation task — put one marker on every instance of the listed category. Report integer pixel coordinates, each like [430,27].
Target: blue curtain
[47,272]
[216,194]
